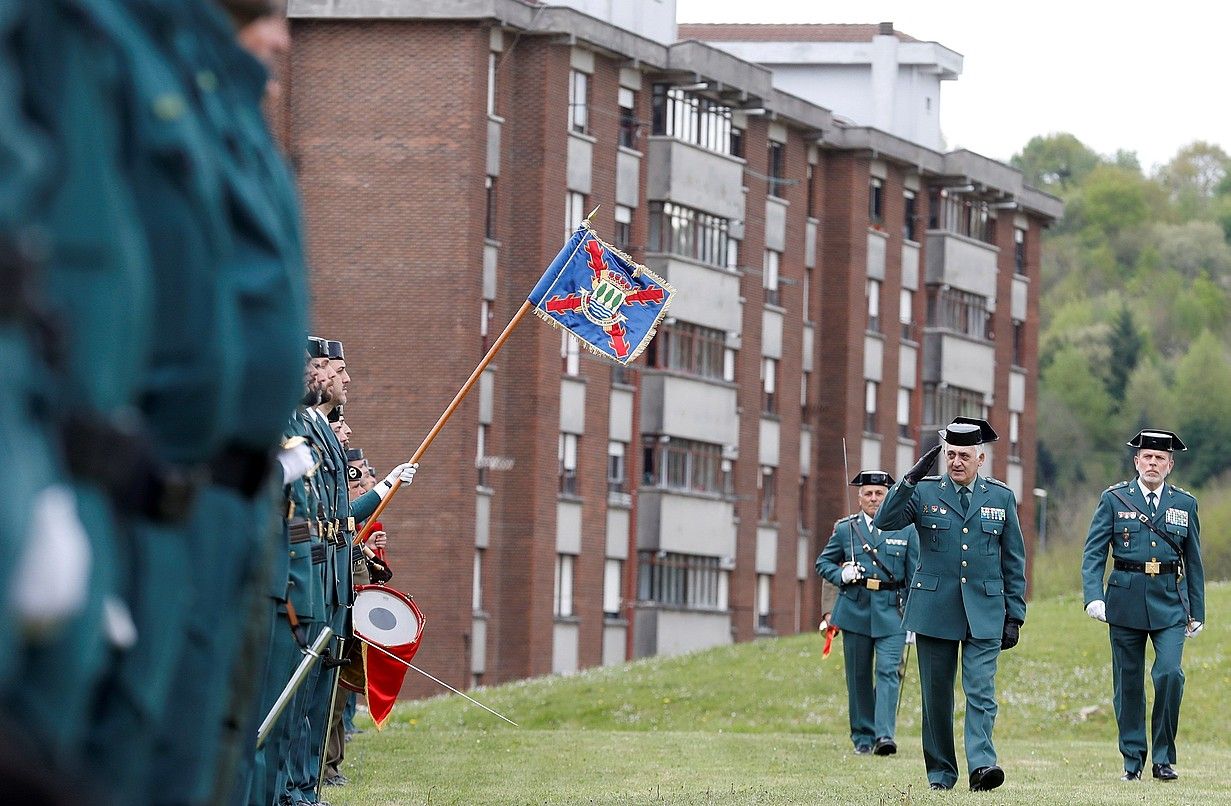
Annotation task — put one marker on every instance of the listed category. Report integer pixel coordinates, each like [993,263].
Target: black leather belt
[119,458]
[356,554]
[241,468]
[318,553]
[300,531]
[874,584]
[1153,568]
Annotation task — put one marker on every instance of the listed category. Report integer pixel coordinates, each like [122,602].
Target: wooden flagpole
[444,418]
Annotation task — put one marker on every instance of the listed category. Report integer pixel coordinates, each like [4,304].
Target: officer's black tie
[964,495]
[1153,501]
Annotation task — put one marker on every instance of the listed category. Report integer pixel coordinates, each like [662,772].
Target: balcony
[695,177]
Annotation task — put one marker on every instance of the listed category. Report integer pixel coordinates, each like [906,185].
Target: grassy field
[765,723]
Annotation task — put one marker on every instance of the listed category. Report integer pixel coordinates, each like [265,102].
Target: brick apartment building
[836,281]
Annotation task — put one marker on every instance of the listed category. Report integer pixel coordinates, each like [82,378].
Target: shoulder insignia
[1185,492]
[845,519]
[1118,485]
[931,478]
[997,482]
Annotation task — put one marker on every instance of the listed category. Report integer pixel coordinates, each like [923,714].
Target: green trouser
[1128,649]
[937,671]
[872,684]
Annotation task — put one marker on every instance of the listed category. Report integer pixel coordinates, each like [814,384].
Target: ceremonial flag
[602,296]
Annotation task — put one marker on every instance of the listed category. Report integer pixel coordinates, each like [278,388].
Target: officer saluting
[872,568]
[1156,590]
[968,592]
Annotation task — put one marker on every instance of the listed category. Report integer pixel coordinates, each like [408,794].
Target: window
[689,581]
[958,213]
[1019,250]
[942,403]
[480,460]
[737,143]
[617,469]
[870,390]
[906,313]
[570,353]
[689,348]
[811,202]
[492,58]
[769,277]
[622,375]
[909,224]
[873,293]
[959,312]
[763,598]
[574,211]
[693,119]
[805,383]
[564,585]
[776,170]
[613,582]
[476,587]
[904,412]
[876,200]
[767,490]
[805,504]
[769,386]
[485,320]
[578,102]
[622,236]
[489,221]
[685,465]
[690,233]
[1019,343]
[568,463]
[807,294]
[1015,442]
[629,127]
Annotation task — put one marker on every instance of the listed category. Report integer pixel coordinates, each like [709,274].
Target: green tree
[1203,381]
[1193,177]
[1124,343]
[1055,162]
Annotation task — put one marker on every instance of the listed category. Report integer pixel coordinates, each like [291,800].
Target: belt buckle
[1153,568]
[874,584]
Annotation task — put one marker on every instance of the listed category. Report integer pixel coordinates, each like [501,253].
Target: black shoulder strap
[1144,518]
[870,550]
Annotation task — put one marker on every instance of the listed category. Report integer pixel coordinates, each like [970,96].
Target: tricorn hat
[1157,440]
[317,347]
[354,454]
[872,477]
[334,349]
[964,431]
[336,414]
[353,473]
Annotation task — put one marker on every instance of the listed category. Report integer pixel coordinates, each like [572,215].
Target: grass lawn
[765,723]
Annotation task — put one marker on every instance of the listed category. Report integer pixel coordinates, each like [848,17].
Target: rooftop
[789,32]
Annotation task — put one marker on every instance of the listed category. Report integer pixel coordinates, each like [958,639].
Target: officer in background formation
[967,594]
[1156,591]
[162,207]
[871,569]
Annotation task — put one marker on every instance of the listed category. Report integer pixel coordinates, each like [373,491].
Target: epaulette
[845,519]
[932,478]
[1118,485]
[997,482]
[1182,490]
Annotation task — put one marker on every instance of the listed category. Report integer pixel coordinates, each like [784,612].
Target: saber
[410,665]
[846,489]
[902,675]
[311,655]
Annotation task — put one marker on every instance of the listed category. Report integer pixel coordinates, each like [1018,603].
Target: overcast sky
[1144,77]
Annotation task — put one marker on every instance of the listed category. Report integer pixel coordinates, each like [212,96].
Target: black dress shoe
[862,750]
[1131,776]
[1163,772]
[885,746]
[986,778]
[938,785]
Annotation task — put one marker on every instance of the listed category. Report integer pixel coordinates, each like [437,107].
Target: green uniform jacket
[1134,599]
[972,570]
[302,585]
[867,612]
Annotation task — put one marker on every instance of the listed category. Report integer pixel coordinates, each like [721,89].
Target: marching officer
[968,593]
[872,569]
[1156,590]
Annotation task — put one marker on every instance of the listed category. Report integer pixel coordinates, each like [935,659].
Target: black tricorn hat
[334,349]
[354,454]
[964,431]
[353,473]
[336,414]
[1156,440]
[317,347]
[872,477]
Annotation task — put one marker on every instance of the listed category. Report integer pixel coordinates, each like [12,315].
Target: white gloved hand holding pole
[1097,610]
[1193,628]
[851,572]
[405,473]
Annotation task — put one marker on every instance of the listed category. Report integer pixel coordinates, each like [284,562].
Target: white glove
[404,473]
[851,572]
[910,636]
[53,573]
[1097,610]
[296,462]
[1193,628]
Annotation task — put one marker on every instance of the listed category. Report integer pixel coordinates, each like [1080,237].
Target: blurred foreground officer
[872,586]
[967,595]
[1156,590]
